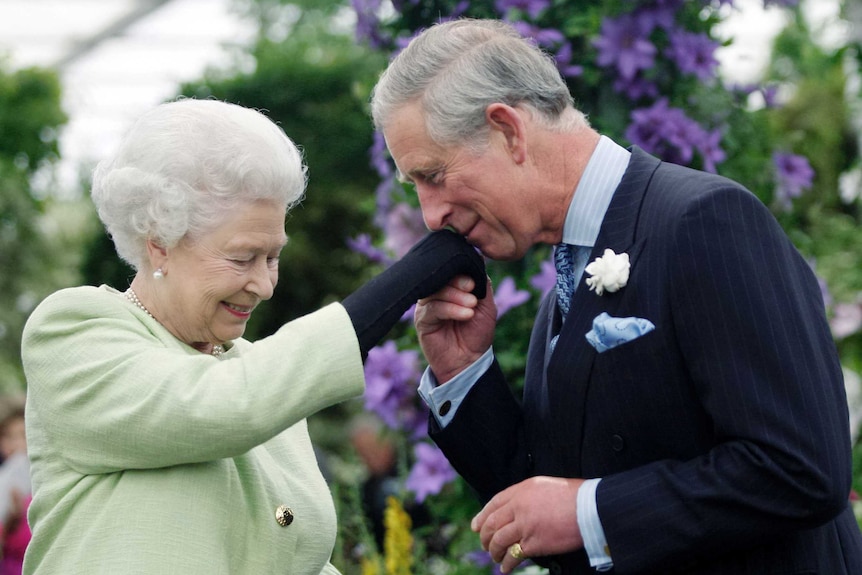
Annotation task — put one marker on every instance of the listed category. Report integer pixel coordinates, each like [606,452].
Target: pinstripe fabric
[722,436]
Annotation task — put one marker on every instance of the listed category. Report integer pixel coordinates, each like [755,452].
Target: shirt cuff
[444,400]
[591,527]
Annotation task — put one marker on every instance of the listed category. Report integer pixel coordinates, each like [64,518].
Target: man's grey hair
[458,68]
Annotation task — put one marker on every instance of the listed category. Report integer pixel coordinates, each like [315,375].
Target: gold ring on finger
[516,551]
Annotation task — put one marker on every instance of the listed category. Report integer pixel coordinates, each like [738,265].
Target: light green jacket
[149,457]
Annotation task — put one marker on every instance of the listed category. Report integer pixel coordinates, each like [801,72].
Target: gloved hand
[440,256]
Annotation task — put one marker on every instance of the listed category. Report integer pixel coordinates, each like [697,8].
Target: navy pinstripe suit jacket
[721,436]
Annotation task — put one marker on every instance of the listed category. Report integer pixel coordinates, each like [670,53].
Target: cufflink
[444,408]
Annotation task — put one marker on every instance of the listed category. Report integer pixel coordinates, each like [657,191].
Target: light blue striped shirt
[590,201]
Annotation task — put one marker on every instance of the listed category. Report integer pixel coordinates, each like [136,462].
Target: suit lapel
[571,363]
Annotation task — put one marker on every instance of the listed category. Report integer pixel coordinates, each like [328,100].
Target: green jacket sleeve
[117,391]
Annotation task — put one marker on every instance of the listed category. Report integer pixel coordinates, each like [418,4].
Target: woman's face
[213,283]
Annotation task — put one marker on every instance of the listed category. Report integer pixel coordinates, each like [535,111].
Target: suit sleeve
[752,333]
[485,442]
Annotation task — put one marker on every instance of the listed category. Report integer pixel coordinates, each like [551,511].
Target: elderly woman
[160,440]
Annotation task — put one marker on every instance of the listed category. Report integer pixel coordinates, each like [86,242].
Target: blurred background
[766,92]
[116,59]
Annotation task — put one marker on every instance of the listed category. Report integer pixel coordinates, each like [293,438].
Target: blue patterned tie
[570,262]
[564,262]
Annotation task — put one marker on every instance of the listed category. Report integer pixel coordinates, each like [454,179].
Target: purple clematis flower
[399,4]
[482,558]
[636,88]
[361,244]
[770,95]
[391,380]
[532,7]
[507,296]
[673,5]
[710,150]
[367,22]
[624,44]
[793,174]
[668,133]
[544,37]
[663,131]
[693,54]
[546,279]
[383,199]
[379,156]
[662,15]
[430,473]
[404,226]
[563,57]
[457,11]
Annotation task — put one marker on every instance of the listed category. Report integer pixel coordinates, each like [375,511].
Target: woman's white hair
[458,68]
[184,166]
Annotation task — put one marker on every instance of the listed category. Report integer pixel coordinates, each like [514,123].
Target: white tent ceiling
[116,58]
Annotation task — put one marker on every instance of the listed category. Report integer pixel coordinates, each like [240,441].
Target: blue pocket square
[609,332]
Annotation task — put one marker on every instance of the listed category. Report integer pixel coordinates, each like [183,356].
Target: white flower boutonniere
[609,272]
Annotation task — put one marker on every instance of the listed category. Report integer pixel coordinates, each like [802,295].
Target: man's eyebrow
[420,173]
[399,175]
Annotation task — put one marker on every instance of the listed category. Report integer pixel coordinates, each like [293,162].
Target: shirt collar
[593,195]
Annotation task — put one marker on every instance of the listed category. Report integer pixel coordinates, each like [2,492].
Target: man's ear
[509,122]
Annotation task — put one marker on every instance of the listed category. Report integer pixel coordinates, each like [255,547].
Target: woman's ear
[157,255]
[509,122]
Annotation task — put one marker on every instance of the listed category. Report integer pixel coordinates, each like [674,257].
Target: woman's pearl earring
[158,274]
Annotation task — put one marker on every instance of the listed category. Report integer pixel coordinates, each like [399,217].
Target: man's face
[480,196]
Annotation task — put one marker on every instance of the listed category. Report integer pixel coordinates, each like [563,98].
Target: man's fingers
[510,561]
[502,539]
[492,506]
[436,312]
[458,291]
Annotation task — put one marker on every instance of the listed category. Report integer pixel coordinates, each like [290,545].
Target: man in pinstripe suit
[687,413]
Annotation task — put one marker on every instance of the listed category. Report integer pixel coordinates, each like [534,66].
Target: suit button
[284,515]
[444,408]
[617,443]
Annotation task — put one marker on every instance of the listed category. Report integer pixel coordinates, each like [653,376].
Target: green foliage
[32,253]
[30,116]
[816,121]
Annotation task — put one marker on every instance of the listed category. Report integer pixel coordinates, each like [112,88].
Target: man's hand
[455,327]
[539,513]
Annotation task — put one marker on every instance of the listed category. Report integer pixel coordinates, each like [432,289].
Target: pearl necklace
[133,297]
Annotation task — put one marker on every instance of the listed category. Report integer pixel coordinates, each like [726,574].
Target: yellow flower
[398,542]
[369,566]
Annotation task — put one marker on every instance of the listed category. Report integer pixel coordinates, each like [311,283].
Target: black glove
[428,266]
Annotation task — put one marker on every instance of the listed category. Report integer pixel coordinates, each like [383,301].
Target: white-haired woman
[161,441]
